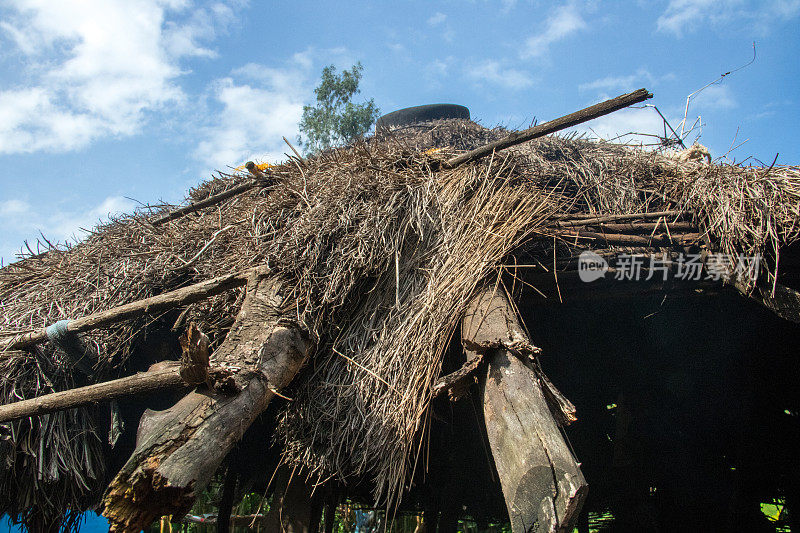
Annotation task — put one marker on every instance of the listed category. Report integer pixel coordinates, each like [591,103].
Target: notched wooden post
[179,449]
[542,483]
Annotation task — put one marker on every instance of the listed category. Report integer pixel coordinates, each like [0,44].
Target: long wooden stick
[141,383]
[648,227]
[578,117]
[583,220]
[211,200]
[154,304]
[633,240]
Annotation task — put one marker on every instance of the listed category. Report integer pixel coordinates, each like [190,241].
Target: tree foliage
[335,119]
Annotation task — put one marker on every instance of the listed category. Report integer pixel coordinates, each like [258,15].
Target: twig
[299,157]
[706,86]
[194,259]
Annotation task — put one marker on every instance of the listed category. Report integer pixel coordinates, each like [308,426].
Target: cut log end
[124,504]
[179,449]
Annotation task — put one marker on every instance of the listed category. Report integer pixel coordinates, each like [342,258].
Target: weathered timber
[661,239]
[211,200]
[180,448]
[542,483]
[195,358]
[638,227]
[163,378]
[584,219]
[154,304]
[578,117]
[457,383]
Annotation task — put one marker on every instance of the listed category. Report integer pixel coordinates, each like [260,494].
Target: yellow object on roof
[259,166]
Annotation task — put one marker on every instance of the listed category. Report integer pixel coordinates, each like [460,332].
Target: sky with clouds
[109,104]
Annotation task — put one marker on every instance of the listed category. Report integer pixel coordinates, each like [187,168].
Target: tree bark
[179,449]
[542,483]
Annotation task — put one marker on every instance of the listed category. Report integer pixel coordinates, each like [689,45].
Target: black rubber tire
[420,113]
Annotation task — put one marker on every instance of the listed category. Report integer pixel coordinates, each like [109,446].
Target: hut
[410,322]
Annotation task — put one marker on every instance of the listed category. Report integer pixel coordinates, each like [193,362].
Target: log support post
[542,483]
[179,449]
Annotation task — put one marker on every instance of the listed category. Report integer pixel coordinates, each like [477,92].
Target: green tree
[335,119]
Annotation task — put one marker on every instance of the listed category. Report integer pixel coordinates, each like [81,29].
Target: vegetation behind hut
[335,120]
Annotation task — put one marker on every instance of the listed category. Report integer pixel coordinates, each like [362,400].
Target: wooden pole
[154,304]
[138,384]
[578,117]
[211,200]
[542,483]
[648,227]
[591,218]
[623,239]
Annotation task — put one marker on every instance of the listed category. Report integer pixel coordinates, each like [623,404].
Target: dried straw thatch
[383,249]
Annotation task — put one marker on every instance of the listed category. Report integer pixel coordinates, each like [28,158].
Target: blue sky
[92,523]
[105,103]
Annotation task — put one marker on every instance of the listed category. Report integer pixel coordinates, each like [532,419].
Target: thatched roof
[383,249]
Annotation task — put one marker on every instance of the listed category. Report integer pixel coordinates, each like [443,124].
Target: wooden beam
[179,449]
[573,119]
[624,239]
[542,483]
[163,378]
[584,219]
[154,304]
[211,200]
[635,227]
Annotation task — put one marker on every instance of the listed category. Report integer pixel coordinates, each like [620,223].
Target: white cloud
[437,72]
[97,67]
[686,14]
[493,72]
[508,5]
[13,207]
[437,18]
[22,221]
[619,83]
[259,105]
[562,22]
[714,97]
[683,16]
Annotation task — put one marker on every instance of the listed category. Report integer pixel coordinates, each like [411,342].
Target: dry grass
[383,252]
